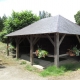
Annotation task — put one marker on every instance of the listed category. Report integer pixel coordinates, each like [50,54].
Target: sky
[66,8]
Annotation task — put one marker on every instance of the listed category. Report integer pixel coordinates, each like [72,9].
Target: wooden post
[8,47]
[17,50]
[17,40]
[31,50]
[56,50]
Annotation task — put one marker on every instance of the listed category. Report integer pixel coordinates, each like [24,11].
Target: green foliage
[23,62]
[2,22]
[41,53]
[17,21]
[2,46]
[77,17]
[52,70]
[11,48]
[76,50]
[71,66]
[30,68]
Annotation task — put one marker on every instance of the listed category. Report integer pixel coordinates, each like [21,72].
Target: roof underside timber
[55,24]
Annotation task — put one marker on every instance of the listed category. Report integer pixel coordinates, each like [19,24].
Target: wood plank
[17,47]
[63,55]
[78,38]
[28,39]
[8,47]
[62,39]
[56,50]
[50,39]
[31,50]
[21,40]
[17,50]
[36,41]
[49,55]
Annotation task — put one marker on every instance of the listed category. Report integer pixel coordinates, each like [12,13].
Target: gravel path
[16,73]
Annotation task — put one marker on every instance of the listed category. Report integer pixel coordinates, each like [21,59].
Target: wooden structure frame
[32,40]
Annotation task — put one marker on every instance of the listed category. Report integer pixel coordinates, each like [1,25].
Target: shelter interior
[68,42]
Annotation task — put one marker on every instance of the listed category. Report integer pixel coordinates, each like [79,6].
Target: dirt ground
[12,70]
[17,73]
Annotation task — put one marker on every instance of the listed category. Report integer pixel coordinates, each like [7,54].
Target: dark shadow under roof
[55,24]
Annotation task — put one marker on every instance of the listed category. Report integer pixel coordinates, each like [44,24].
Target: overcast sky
[66,8]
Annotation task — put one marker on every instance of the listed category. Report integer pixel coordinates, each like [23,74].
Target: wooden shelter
[54,28]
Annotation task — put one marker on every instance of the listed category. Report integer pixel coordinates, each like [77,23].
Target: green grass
[3,47]
[72,66]
[31,68]
[54,71]
[23,62]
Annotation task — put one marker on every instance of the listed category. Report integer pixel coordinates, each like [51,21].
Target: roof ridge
[58,23]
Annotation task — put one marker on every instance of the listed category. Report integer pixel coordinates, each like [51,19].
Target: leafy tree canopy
[2,22]
[16,21]
[77,17]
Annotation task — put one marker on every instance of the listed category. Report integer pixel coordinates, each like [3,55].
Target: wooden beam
[62,39]
[17,40]
[17,50]
[50,39]
[34,42]
[63,55]
[31,50]
[49,55]
[21,40]
[28,39]
[56,50]
[78,38]
[8,47]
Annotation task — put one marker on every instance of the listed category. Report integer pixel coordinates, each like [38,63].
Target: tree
[16,21]
[2,22]
[77,17]
[44,14]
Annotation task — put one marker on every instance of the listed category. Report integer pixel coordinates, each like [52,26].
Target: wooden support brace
[50,39]
[35,41]
[63,55]
[21,40]
[28,39]
[62,39]
[78,38]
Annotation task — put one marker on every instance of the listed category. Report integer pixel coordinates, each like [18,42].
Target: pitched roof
[49,25]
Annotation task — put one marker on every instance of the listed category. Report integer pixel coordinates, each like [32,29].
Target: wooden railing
[49,55]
